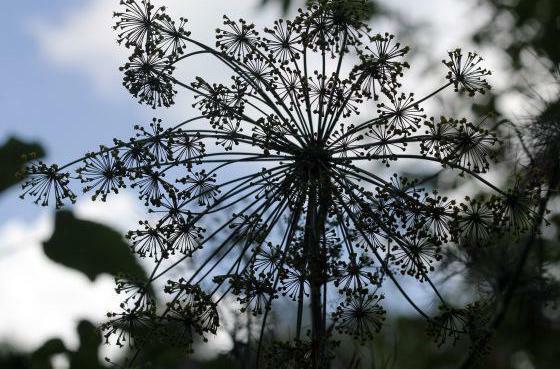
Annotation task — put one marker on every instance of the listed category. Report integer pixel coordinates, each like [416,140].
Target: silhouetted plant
[516,274]
[285,161]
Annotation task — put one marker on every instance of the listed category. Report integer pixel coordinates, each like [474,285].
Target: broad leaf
[90,247]
[13,155]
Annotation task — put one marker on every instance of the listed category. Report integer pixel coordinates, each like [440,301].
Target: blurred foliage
[520,28]
[532,322]
[525,333]
[14,154]
[518,25]
[85,357]
[90,247]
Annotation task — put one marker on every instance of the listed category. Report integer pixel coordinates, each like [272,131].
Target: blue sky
[62,88]
[60,61]
[67,94]
[56,106]
[48,102]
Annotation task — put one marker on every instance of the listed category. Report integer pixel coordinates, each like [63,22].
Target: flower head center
[313,161]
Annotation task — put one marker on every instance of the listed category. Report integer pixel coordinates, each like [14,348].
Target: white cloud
[122,211]
[42,299]
[83,39]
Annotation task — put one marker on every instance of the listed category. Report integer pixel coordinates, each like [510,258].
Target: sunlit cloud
[44,299]
[83,39]
[121,211]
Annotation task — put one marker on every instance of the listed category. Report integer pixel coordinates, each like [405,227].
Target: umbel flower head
[285,153]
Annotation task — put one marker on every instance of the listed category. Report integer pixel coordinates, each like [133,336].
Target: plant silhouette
[280,152]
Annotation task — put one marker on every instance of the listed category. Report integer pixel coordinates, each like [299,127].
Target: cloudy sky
[61,87]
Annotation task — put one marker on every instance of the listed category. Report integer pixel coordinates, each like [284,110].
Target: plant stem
[318,205]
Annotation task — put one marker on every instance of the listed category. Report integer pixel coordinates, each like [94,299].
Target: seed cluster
[281,155]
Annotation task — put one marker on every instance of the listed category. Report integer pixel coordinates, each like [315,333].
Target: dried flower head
[284,154]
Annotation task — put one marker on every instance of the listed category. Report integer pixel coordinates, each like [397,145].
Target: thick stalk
[317,212]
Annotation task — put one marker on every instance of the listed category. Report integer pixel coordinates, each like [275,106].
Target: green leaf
[285,4]
[41,358]
[87,355]
[13,155]
[90,247]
